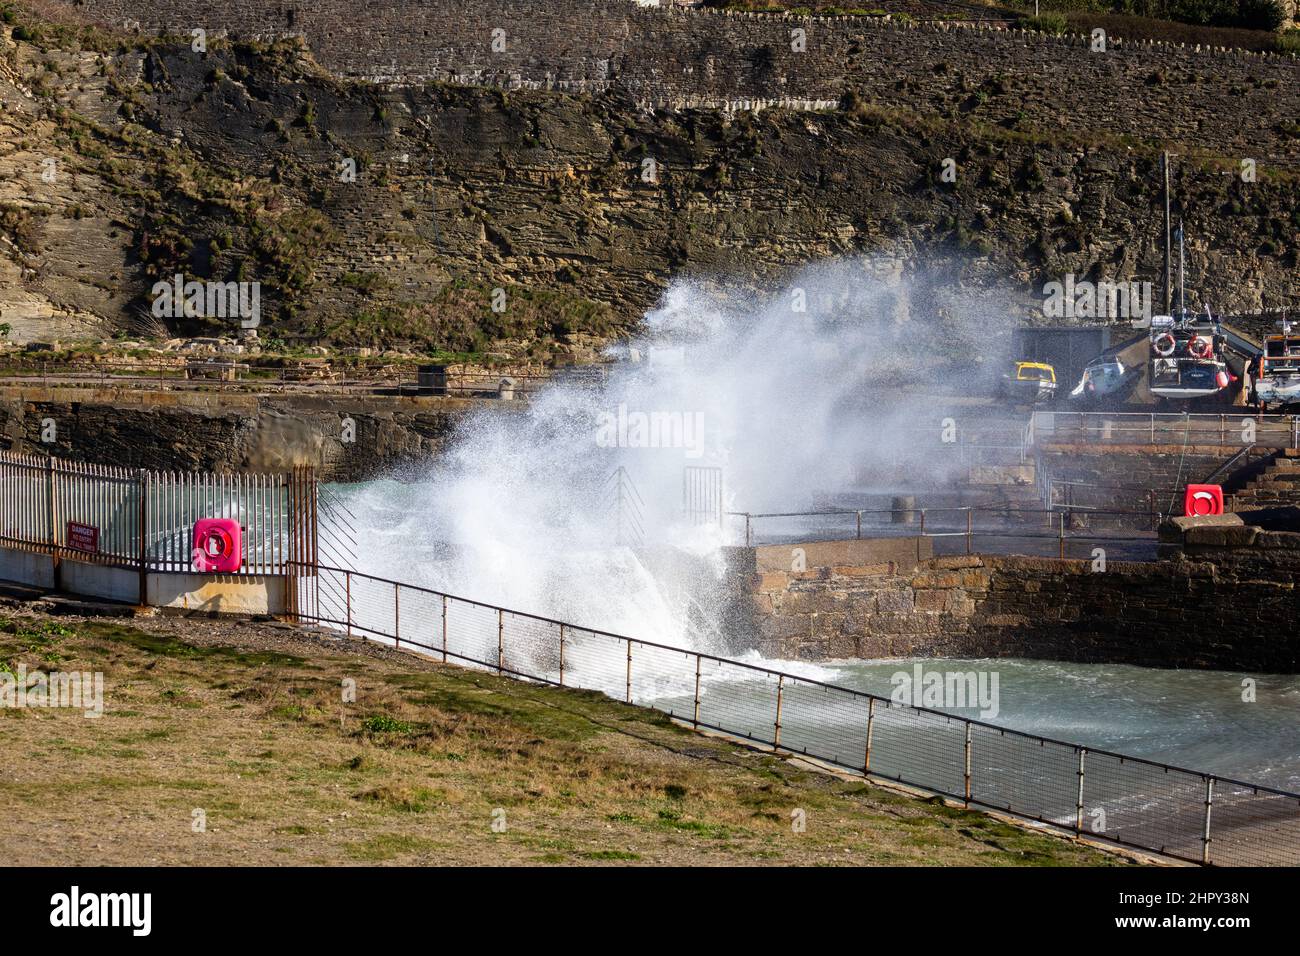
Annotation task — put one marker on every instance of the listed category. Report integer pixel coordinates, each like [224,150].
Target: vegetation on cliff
[469,219]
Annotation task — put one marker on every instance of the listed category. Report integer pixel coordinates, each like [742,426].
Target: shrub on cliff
[1047,23]
[1260,14]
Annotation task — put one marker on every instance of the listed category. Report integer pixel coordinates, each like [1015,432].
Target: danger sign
[83,537]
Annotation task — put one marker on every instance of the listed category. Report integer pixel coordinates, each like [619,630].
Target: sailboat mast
[1182,289]
[1169,272]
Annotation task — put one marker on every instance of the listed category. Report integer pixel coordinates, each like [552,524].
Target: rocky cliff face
[480,215]
[344,440]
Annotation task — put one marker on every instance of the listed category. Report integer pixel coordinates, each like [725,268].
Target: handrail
[787,675]
[974,509]
[827,743]
[1230,463]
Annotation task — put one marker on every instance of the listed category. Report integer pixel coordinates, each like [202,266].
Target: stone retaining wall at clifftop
[187,431]
[1236,102]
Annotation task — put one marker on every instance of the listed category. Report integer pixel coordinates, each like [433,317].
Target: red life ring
[216,543]
[1166,340]
[1200,347]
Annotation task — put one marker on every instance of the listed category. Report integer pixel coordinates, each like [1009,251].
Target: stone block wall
[222,432]
[1229,605]
[1132,477]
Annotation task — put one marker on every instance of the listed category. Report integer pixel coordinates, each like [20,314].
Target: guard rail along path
[1186,814]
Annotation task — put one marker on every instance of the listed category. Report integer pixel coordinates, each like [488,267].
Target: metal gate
[702,495]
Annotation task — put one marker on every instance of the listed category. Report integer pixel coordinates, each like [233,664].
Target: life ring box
[218,545]
[1203,500]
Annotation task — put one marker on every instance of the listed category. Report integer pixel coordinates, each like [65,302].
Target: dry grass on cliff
[245,722]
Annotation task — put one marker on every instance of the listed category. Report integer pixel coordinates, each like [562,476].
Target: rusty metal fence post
[347,598]
[1209,806]
[871,726]
[52,518]
[629,671]
[780,689]
[561,655]
[695,718]
[1078,802]
[501,641]
[142,481]
[968,749]
[444,628]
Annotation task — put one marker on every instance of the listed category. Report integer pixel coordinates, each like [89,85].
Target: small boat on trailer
[1277,383]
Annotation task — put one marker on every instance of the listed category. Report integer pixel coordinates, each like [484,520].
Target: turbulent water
[565,507]
[1194,719]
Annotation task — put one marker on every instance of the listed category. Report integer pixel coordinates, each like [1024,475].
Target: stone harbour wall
[1227,602]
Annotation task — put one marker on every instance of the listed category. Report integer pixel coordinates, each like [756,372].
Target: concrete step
[1283,466]
[16,595]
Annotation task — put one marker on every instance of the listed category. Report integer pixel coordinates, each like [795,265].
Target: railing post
[397,614]
[780,687]
[748,532]
[444,628]
[695,719]
[51,508]
[52,520]
[561,655]
[970,515]
[347,598]
[1209,805]
[501,637]
[968,735]
[871,726]
[1078,802]
[1061,538]
[859,525]
[142,480]
[629,672]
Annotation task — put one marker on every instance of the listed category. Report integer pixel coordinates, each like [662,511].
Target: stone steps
[1277,484]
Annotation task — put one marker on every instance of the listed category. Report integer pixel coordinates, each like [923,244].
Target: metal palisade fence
[1134,802]
[144,519]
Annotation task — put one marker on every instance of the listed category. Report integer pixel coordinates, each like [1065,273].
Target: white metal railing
[1187,814]
[144,519]
[1225,428]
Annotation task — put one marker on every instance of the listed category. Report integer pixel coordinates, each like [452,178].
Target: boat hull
[1277,393]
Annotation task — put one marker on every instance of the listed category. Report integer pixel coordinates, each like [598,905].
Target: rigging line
[1173,498]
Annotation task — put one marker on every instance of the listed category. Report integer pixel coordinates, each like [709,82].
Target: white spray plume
[558,507]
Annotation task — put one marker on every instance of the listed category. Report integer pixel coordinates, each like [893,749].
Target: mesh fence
[1130,801]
